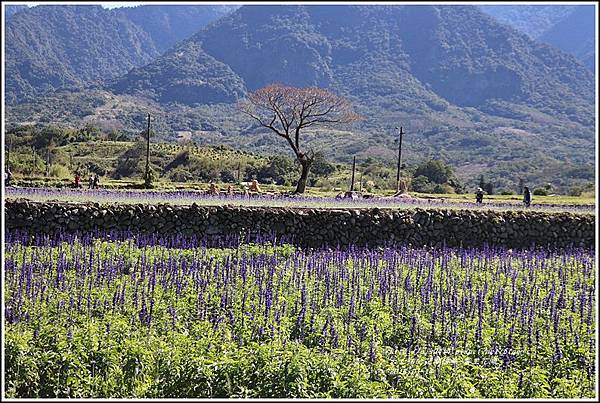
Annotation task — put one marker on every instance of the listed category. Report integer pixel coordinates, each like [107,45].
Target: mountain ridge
[50,47]
[569,28]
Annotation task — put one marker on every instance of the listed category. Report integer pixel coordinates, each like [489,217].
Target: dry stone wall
[314,227]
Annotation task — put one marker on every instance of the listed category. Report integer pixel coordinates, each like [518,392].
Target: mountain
[169,24]
[51,47]
[440,54]
[569,28]
[534,19]
[479,94]
[575,34]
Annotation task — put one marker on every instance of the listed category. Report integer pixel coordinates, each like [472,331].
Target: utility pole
[147,175]
[353,169]
[399,159]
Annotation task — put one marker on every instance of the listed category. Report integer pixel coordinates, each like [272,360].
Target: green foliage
[489,188]
[320,165]
[280,170]
[421,184]
[205,340]
[59,171]
[435,171]
[540,192]
[132,162]
[440,177]
[180,175]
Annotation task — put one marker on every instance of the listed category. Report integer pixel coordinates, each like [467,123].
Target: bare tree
[288,110]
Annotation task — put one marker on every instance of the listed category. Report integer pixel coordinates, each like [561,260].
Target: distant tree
[88,132]
[435,170]
[421,184]
[227,176]
[130,162]
[276,170]
[489,188]
[49,137]
[286,111]
[321,166]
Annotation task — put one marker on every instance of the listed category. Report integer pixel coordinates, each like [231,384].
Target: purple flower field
[151,317]
[189,197]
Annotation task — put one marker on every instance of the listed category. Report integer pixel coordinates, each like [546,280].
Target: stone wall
[314,227]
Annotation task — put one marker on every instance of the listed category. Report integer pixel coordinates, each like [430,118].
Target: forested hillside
[50,47]
[570,28]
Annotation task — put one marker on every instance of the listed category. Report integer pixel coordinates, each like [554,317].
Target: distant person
[479,196]
[213,189]
[254,186]
[230,190]
[77,180]
[96,182]
[91,182]
[526,196]
[7,177]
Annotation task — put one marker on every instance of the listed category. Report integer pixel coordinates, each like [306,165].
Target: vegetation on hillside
[569,28]
[117,156]
[51,47]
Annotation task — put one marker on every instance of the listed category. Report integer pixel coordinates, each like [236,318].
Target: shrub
[227,176]
[180,174]
[435,171]
[182,158]
[507,192]
[489,188]
[320,165]
[421,184]
[575,191]
[97,169]
[442,189]
[278,170]
[59,171]
[540,192]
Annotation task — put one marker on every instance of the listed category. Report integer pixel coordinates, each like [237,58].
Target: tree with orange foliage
[288,110]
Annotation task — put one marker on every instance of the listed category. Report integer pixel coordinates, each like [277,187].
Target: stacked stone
[314,227]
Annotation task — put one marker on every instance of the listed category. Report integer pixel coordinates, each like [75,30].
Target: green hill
[50,47]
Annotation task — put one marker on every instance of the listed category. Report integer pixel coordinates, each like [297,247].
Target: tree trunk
[301,186]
